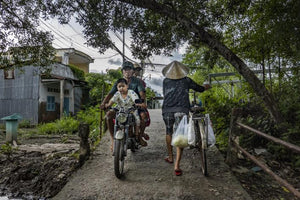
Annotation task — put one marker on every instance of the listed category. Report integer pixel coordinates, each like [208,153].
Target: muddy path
[148,176]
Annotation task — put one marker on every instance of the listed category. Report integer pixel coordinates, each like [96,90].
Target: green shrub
[91,116]
[66,125]
[47,128]
[77,72]
[69,125]
[25,123]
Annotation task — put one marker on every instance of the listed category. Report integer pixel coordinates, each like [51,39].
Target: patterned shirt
[126,102]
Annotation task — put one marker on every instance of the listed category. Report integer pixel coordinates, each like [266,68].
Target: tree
[266,33]
[101,84]
[21,43]
[159,27]
[171,15]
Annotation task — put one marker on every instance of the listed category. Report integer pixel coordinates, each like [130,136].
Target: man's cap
[175,70]
[127,65]
[137,67]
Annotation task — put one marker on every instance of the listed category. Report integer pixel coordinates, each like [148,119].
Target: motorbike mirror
[139,101]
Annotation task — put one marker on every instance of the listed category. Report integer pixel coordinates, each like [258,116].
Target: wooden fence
[233,146]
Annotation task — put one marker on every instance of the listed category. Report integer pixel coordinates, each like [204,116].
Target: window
[50,103]
[56,90]
[9,74]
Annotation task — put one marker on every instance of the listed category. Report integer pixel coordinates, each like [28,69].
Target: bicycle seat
[197,109]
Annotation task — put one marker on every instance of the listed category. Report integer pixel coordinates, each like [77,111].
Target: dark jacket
[176,94]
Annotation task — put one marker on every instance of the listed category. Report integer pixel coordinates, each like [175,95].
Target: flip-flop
[178,172]
[146,136]
[168,160]
[143,143]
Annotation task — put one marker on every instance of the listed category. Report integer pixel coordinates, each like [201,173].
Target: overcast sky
[70,36]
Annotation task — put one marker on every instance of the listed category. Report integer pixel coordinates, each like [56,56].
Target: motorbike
[124,137]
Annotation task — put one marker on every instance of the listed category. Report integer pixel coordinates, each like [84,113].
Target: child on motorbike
[125,98]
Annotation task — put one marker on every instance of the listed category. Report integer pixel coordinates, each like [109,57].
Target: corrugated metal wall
[20,95]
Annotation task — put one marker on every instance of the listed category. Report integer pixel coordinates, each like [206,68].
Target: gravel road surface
[148,176]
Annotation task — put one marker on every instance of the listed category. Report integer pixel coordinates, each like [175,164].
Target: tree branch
[205,37]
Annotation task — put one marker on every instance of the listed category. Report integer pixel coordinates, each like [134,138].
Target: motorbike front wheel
[119,158]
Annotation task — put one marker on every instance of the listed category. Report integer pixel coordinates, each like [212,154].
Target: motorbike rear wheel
[119,158]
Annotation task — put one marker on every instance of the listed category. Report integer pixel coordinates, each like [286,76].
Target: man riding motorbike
[135,85]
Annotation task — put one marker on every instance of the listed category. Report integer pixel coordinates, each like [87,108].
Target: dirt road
[148,176]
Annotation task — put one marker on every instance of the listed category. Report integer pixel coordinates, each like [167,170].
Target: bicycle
[201,133]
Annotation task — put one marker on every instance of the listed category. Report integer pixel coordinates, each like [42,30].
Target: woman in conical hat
[176,87]
[175,70]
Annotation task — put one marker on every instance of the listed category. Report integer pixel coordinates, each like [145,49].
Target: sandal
[168,160]
[146,136]
[143,142]
[178,172]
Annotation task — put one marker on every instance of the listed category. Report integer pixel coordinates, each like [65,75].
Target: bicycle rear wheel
[203,148]
[119,158]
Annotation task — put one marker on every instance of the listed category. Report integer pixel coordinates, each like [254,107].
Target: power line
[57,44]
[106,57]
[52,30]
[149,61]
[123,41]
[82,36]
[63,36]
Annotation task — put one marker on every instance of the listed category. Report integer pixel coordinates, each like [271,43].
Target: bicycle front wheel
[119,158]
[202,147]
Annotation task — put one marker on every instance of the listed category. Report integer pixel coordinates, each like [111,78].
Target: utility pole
[123,44]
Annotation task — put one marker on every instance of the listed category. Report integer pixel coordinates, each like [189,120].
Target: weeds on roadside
[91,116]
[25,124]
[7,149]
[69,125]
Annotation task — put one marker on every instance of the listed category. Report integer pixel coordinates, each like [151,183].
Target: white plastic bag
[180,137]
[191,133]
[211,135]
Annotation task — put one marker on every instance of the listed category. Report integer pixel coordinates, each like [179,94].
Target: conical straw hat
[175,70]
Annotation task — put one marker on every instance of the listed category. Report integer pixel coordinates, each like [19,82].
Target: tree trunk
[85,151]
[213,43]
[270,74]
[279,74]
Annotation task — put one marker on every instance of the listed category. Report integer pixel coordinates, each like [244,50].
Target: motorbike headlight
[122,117]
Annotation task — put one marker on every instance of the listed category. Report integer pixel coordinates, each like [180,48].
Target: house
[43,97]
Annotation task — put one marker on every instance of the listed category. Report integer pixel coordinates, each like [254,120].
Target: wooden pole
[101,112]
[84,131]
[61,98]
[230,159]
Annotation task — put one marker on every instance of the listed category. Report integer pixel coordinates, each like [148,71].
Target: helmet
[137,67]
[127,64]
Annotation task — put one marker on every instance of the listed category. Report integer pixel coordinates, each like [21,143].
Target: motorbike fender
[119,135]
